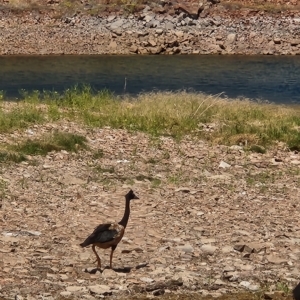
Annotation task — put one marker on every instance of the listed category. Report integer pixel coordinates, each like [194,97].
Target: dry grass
[129,6]
[223,121]
[64,7]
[260,6]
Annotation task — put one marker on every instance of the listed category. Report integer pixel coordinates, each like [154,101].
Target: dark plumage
[296,292]
[109,235]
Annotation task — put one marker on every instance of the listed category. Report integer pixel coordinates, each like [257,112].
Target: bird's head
[131,195]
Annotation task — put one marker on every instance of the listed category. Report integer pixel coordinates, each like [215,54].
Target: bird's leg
[111,255]
[98,258]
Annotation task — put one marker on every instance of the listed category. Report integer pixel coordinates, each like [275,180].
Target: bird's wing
[102,234]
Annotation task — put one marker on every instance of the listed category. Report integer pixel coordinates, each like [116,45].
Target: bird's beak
[136,197]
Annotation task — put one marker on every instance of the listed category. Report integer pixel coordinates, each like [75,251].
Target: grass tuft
[218,120]
[8,156]
[54,142]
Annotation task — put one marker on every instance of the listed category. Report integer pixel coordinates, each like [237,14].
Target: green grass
[53,142]
[56,141]
[7,156]
[217,120]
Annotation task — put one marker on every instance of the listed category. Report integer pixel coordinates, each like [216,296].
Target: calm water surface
[273,78]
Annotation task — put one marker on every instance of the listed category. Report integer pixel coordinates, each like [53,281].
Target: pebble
[100,289]
[186,248]
[208,249]
[74,289]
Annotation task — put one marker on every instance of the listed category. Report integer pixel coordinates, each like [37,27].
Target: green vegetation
[50,142]
[53,142]
[255,126]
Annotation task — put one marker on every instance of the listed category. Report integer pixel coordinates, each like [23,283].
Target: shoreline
[150,34]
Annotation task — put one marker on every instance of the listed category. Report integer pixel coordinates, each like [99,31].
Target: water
[273,78]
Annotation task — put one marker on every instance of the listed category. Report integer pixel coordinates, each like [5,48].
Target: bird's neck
[125,218]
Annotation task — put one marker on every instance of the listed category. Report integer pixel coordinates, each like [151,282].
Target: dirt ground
[211,220]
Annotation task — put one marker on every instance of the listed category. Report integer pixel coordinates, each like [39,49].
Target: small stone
[208,249]
[277,40]
[295,42]
[183,189]
[236,147]
[152,43]
[63,277]
[219,282]
[108,273]
[71,180]
[228,269]
[158,292]
[245,284]
[113,45]
[141,33]
[249,286]
[45,167]
[65,294]
[186,248]
[253,287]
[146,279]
[159,31]
[74,288]
[100,289]
[224,165]
[269,295]
[231,38]
[275,260]
[239,247]
[226,249]
[117,24]
[110,18]
[133,49]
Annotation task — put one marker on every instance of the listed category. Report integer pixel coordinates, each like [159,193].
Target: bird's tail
[83,244]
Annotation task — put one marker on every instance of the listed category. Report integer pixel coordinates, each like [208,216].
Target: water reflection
[273,78]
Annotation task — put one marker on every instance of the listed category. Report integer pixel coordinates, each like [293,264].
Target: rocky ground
[210,219]
[209,27]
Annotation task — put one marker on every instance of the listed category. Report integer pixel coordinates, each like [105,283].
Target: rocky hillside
[158,6]
[141,27]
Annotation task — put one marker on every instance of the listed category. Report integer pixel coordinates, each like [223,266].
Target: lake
[273,78]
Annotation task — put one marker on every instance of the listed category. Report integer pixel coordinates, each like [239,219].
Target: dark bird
[110,234]
[296,292]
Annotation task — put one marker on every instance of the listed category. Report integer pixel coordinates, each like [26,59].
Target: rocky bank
[205,29]
[211,220]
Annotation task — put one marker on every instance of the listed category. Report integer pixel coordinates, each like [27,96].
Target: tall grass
[226,121]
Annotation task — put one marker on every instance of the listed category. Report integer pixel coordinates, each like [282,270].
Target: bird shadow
[122,270]
[117,270]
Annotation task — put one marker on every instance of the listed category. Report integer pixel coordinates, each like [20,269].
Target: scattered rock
[186,248]
[224,165]
[249,286]
[100,289]
[159,292]
[182,231]
[75,289]
[171,285]
[208,249]
[275,259]
[231,38]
